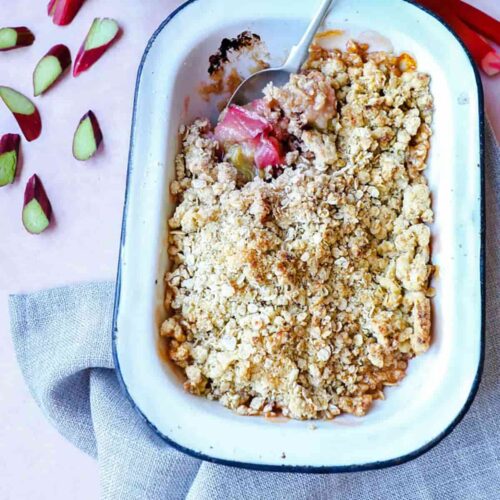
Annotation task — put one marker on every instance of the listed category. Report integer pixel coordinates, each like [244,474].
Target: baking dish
[440,385]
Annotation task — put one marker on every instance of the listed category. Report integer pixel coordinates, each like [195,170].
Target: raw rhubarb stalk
[63,11]
[88,137]
[9,154]
[102,34]
[13,38]
[480,21]
[37,211]
[24,112]
[50,68]
[482,52]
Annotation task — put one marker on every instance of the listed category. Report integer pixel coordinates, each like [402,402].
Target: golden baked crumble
[305,293]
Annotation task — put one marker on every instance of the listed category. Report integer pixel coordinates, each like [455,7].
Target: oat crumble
[305,291]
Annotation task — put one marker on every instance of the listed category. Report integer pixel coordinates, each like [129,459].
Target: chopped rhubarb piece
[37,211]
[242,159]
[13,38]
[240,124]
[63,11]
[102,34]
[9,155]
[268,152]
[24,112]
[87,138]
[249,139]
[50,68]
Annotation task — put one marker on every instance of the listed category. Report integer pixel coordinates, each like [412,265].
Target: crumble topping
[305,291]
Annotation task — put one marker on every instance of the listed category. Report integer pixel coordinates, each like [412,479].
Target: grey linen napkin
[63,343]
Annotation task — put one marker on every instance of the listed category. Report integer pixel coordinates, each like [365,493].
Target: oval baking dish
[439,386]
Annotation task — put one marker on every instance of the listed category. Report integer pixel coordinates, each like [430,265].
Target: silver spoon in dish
[252,87]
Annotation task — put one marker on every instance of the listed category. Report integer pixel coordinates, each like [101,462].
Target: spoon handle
[299,52]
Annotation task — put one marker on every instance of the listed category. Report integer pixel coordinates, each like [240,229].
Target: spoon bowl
[252,87]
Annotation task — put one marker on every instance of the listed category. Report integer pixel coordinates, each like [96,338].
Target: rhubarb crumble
[300,242]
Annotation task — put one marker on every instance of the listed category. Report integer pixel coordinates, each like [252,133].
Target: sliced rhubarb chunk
[63,11]
[240,124]
[268,153]
[50,68]
[13,38]
[24,112]
[242,160]
[37,211]
[9,154]
[102,34]
[88,137]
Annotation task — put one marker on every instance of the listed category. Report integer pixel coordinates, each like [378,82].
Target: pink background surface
[87,200]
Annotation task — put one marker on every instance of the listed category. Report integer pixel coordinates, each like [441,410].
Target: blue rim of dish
[304,468]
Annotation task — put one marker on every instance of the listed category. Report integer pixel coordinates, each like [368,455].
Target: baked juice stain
[225,79]
[185,105]
[246,39]
[405,62]
[329,34]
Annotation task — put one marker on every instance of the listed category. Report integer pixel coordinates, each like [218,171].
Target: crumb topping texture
[305,293]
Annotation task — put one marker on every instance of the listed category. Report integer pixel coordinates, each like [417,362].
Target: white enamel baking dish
[441,384]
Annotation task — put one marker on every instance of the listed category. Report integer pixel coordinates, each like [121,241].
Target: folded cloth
[63,343]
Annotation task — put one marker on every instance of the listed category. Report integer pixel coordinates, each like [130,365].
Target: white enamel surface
[439,382]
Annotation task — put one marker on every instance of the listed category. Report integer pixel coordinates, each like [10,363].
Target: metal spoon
[252,87]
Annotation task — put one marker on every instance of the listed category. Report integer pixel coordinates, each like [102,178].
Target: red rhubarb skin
[31,125]
[86,58]
[51,6]
[63,55]
[482,52]
[10,142]
[269,152]
[24,38]
[63,11]
[35,191]
[95,127]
